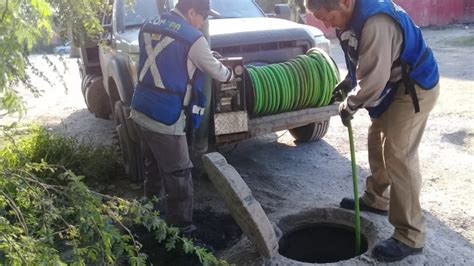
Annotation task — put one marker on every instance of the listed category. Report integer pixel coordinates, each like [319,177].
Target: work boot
[393,250]
[348,203]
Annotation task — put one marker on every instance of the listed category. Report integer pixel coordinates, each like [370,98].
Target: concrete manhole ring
[321,235]
[317,235]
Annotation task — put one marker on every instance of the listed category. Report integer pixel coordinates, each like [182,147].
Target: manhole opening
[321,243]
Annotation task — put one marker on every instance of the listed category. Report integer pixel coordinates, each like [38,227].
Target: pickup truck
[109,70]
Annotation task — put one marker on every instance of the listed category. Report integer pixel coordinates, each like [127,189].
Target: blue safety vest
[163,76]
[418,63]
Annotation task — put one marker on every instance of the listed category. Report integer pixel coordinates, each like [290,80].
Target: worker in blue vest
[173,56]
[394,75]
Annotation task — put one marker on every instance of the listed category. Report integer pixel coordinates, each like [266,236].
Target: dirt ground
[288,178]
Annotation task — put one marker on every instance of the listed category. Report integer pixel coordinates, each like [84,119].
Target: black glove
[341,90]
[345,113]
[216,55]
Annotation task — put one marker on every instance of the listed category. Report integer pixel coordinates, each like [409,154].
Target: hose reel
[306,81]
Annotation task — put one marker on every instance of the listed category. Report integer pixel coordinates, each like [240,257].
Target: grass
[36,145]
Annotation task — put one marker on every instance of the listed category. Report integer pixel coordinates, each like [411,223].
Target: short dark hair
[327,4]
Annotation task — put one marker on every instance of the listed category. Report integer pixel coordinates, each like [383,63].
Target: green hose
[306,81]
[356,191]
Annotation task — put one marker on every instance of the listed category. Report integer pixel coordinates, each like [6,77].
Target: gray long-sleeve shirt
[379,47]
[199,57]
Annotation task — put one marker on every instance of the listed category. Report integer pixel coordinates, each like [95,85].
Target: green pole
[356,191]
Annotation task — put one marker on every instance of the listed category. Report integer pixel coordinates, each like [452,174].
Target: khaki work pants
[395,183]
[168,175]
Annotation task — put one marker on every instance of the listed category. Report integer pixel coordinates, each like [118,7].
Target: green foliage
[48,216]
[37,145]
[25,22]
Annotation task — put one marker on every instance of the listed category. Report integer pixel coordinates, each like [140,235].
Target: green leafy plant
[23,23]
[49,216]
[96,163]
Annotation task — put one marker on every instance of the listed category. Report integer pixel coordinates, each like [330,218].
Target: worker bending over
[173,56]
[394,75]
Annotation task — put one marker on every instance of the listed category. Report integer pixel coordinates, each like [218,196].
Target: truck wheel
[130,150]
[85,80]
[311,132]
[96,98]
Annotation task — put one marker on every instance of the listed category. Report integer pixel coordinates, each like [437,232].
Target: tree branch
[14,247]
[4,11]
[17,211]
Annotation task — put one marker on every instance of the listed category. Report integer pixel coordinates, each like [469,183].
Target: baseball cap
[201,6]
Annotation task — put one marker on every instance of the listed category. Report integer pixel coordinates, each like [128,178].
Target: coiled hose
[303,82]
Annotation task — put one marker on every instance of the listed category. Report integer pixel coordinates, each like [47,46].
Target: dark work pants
[168,175]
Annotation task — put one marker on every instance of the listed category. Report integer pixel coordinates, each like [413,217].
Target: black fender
[119,71]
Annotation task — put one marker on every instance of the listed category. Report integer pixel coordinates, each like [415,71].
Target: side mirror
[107,27]
[106,36]
[283,11]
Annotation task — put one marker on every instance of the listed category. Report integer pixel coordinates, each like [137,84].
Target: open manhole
[320,243]
[316,235]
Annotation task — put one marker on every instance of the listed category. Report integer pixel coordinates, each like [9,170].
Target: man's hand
[346,113]
[341,90]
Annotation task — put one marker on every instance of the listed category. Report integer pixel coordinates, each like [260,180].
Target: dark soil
[216,231]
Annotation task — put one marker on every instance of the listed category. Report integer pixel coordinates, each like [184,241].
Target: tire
[130,151]
[131,127]
[311,132]
[85,81]
[96,98]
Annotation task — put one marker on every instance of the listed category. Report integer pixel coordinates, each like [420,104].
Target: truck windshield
[138,11]
[235,8]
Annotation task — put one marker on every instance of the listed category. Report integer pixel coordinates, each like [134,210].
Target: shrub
[36,145]
[48,216]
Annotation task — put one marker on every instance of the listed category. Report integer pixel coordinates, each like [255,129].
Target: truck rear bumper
[273,123]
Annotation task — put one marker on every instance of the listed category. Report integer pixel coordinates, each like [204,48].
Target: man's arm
[379,47]
[202,58]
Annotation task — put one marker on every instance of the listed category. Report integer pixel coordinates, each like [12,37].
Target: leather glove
[341,90]
[346,113]
[216,55]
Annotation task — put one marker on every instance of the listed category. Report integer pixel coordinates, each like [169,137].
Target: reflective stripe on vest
[198,110]
[152,53]
[164,85]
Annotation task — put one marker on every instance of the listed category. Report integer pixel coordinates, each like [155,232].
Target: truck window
[235,8]
[138,12]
